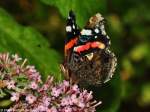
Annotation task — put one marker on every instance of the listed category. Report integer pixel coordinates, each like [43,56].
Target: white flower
[74,98]
[42,108]
[33,85]
[53,109]
[68,109]
[46,101]
[75,88]
[56,92]
[15,96]
[30,98]
[16,57]
[11,84]
[81,104]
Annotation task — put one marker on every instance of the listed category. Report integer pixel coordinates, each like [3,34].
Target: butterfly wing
[72,32]
[97,23]
[93,35]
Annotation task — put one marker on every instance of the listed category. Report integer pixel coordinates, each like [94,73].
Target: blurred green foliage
[128,25]
[84,10]
[29,43]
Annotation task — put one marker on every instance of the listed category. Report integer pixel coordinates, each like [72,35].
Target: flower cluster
[17,77]
[29,93]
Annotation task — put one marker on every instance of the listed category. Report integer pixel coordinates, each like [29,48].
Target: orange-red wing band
[70,44]
[88,46]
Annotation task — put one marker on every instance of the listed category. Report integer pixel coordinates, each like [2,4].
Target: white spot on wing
[68,17]
[95,37]
[86,32]
[89,56]
[99,16]
[73,26]
[109,42]
[75,48]
[103,30]
[107,37]
[96,30]
[106,80]
[68,28]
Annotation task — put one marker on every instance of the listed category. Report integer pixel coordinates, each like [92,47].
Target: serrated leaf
[30,44]
[83,9]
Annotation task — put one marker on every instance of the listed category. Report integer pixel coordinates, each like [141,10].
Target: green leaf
[145,96]
[128,66]
[139,52]
[5,104]
[83,9]
[115,25]
[28,43]
[2,93]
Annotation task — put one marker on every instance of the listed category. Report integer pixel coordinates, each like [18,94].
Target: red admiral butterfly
[88,59]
